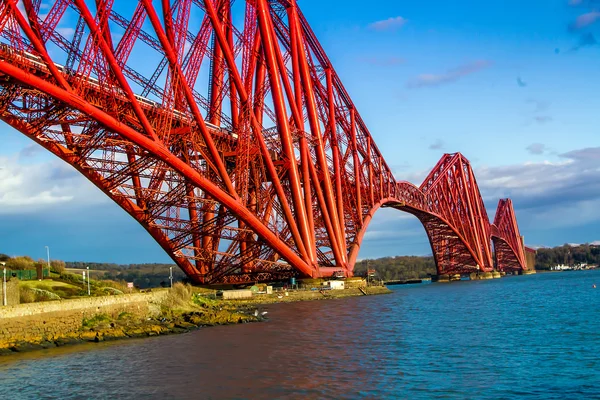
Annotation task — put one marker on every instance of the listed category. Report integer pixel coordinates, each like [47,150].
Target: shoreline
[171,320]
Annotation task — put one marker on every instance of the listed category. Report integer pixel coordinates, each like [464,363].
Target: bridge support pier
[527,272]
[480,276]
[445,278]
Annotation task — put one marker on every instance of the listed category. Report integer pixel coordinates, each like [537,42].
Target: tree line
[28,263]
[386,268]
[567,255]
[397,268]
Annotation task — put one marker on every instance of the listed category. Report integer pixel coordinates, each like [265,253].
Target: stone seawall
[51,321]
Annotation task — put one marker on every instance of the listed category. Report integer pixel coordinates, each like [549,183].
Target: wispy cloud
[453,75]
[544,188]
[66,31]
[542,119]
[585,20]
[30,150]
[388,24]
[536,148]
[437,145]
[586,40]
[540,105]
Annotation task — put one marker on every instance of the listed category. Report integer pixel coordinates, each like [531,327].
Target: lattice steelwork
[454,216]
[508,243]
[231,140]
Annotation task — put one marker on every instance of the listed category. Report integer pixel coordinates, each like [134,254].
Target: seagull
[264,313]
[256,313]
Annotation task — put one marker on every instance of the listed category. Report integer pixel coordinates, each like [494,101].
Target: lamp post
[88,279]
[48,255]
[4,298]
[171,276]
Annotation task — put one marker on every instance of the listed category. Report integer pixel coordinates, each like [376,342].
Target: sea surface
[527,337]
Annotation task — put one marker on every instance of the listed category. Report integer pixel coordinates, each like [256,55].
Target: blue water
[530,337]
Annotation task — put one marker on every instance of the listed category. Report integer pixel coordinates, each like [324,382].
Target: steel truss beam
[235,146]
[508,242]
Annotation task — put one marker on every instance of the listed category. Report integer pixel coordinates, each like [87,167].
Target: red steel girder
[243,156]
[508,242]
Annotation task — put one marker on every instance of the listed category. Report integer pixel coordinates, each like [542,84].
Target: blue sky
[512,85]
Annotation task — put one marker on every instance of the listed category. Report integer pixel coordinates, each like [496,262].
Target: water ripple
[534,337]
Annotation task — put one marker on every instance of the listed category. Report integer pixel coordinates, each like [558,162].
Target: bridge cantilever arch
[235,146]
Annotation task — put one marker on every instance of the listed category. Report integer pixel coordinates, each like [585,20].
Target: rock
[24,346]
[88,336]
[184,325]
[66,341]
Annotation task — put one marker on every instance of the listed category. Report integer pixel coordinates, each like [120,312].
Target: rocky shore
[103,327]
[175,313]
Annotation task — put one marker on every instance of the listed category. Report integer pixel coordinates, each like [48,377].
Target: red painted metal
[235,146]
[508,242]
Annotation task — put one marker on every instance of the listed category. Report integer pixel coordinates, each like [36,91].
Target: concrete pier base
[528,272]
[481,276]
[445,278]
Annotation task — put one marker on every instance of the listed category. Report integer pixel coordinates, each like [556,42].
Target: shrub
[112,291]
[32,295]
[20,263]
[26,295]
[44,286]
[94,321]
[121,286]
[45,295]
[57,266]
[71,278]
[204,301]
[179,295]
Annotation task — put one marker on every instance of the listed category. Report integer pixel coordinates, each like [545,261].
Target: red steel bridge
[224,130]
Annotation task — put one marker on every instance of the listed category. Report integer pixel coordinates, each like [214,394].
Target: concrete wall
[236,294]
[47,321]
[12,292]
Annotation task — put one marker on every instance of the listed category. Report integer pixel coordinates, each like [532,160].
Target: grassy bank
[184,309]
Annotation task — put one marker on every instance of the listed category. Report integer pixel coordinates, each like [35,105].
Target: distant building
[334,285]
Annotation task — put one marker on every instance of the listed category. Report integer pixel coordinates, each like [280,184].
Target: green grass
[46,283]
[95,321]
[62,289]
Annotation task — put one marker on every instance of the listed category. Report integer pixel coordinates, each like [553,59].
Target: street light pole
[88,279]
[171,276]
[48,255]
[4,298]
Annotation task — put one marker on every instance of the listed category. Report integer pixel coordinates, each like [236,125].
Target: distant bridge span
[235,146]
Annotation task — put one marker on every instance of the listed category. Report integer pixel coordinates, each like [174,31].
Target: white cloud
[547,195]
[425,80]
[586,20]
[67,32]
[27,187]
[388,24]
